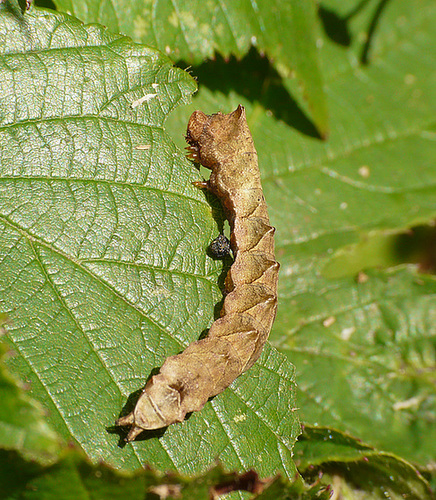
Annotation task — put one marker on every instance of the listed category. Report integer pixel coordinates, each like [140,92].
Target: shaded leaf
[354,468]
[70,477]
[21,479]
[23,425]
[282,490]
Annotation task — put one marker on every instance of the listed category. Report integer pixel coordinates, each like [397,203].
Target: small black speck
[220,247]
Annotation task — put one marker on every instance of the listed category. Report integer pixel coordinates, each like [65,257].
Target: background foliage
[104,270]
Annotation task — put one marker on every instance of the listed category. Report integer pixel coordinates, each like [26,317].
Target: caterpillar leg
[201,184]
[192,153]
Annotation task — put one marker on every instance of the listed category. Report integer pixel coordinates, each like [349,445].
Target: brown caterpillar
[222,143]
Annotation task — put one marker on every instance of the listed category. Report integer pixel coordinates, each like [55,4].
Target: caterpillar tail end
[139,421]
[129,420]
[157,407]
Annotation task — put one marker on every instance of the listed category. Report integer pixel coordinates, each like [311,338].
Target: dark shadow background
[254,77]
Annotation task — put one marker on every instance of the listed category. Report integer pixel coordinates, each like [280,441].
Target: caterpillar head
[212,138]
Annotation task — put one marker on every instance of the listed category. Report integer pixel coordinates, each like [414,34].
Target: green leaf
[22,421]
[104,270]
[191,31]
[356,469]
[76,478]
[364,345]
[282,490]
[14,7]
[71,477]
[376,349]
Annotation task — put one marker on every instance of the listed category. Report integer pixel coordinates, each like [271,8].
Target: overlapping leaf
[22,421]
[356,469]
[75,477]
